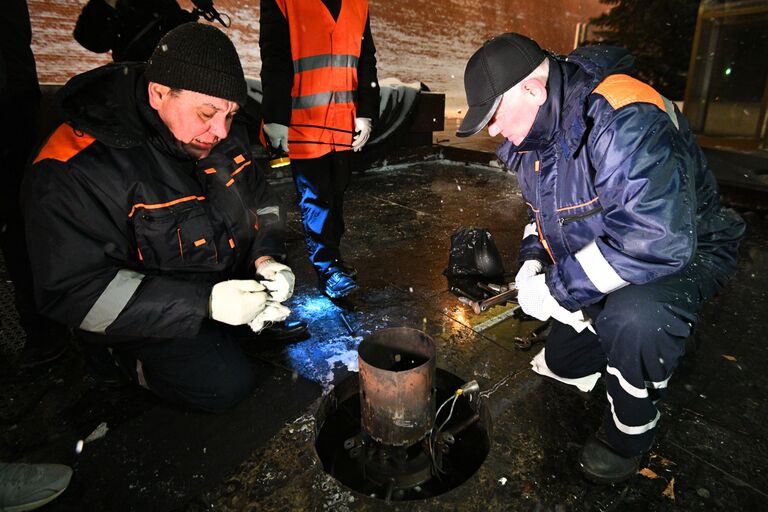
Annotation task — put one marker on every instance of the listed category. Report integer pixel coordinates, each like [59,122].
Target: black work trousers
[320,186]
[641,334]
[209,372]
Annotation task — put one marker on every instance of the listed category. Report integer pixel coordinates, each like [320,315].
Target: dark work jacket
[127,233]
[617,194]
[277,66]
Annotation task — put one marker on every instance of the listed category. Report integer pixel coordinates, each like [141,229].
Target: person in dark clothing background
[20,102]
[129,28]
[321,99]
[151,229]
[626,237]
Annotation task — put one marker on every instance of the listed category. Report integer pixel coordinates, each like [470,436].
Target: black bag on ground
[473,253]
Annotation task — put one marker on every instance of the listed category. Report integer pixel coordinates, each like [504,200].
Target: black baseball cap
[494,69]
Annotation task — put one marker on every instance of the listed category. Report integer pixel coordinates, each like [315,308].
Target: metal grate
[12,336]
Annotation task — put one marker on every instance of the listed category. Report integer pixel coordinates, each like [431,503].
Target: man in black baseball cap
[626,237]
[501,63]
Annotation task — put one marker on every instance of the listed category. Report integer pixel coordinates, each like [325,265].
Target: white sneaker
[29,486]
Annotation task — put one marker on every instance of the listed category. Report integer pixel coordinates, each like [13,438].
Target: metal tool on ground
[492,287]
[346,324]
[524,343]
[485,304]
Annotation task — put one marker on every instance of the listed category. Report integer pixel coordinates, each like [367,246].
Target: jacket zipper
[565,219]
[544,240]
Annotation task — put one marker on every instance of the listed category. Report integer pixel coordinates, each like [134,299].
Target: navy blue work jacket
[618,191]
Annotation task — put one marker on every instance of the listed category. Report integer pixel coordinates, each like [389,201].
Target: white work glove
[278,135]
[528,269]
[535,300]
[237,302]
[274,312]
[363,127]
[278,279]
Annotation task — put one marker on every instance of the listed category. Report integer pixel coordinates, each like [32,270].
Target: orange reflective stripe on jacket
[325,55]
[64,143]
[163,205]
[621,90]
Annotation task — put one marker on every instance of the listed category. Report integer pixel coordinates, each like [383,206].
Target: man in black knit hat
[150,229]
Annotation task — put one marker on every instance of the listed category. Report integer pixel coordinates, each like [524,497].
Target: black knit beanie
[199,58]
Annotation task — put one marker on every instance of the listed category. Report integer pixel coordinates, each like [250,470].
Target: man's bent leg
[571,354]
[209,372]
[643,330]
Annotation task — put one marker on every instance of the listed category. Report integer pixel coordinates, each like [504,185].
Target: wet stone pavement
[711,452]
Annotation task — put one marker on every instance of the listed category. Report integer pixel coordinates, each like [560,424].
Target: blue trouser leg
[641,333]
[320,186]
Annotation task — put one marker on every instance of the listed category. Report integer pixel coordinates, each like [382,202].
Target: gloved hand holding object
[237,302]
[278,279]
[535,300]
[278,135]
[273,312]
[528,269]
[363,126]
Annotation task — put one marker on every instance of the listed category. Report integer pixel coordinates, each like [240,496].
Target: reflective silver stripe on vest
[326,60]
[269,210]
[324,98]
[112,301]
[670,108]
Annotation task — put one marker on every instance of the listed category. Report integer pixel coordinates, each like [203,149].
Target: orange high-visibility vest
[325,55]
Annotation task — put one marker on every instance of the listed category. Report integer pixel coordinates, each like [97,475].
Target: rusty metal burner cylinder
[397,371]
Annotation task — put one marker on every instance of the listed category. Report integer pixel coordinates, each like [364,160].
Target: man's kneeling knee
[222,392]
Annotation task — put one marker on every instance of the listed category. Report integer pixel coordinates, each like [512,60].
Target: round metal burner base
[394,473]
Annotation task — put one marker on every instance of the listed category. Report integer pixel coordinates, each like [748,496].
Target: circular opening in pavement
[441,461]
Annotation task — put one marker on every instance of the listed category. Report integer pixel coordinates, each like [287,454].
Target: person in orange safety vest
[321,99]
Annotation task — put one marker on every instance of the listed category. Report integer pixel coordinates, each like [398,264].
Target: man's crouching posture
[625,225]
[150,227]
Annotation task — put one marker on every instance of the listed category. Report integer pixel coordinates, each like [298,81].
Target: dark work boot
[104,367]
[348,269]
[338,285]
[39,354]
[602,465]
[46,342]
